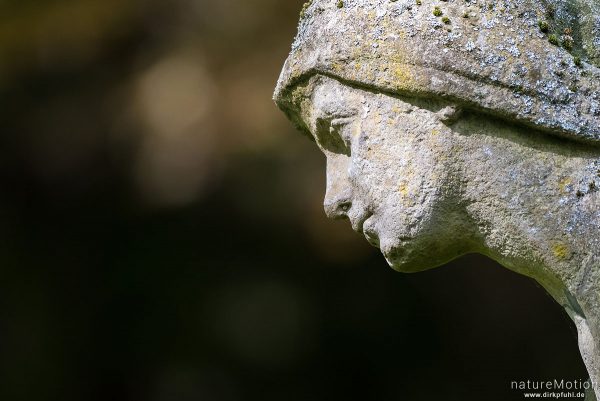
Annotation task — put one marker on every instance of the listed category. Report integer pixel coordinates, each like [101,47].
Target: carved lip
[358,223]
[370,233]
[372,238]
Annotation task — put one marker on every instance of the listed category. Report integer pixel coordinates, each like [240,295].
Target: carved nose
[337,207]
[338,195]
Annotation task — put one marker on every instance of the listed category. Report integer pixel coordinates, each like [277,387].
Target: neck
[536,202]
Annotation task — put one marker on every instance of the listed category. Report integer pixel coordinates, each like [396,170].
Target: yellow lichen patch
[435,132]
[403,189]
[563,185]
[403,76]
[336,67]
[401,34]
[561,251]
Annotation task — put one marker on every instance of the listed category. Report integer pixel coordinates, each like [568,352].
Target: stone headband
[534,62]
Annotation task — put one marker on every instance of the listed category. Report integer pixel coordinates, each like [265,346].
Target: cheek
[417,179]
[399,178]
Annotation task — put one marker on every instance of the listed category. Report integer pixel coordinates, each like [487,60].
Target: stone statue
[453,127]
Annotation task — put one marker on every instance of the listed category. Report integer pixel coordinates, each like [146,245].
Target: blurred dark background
[162,236]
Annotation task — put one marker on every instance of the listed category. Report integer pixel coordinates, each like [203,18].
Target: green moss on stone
[567,42]
[305,8]
[437,11]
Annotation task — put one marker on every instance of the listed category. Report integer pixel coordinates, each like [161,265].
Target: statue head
[380,84]
[389,169]
[452,127]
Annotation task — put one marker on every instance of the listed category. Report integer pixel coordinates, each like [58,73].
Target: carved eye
[333,135]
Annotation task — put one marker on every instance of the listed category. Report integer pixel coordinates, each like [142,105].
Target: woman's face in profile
[386,171]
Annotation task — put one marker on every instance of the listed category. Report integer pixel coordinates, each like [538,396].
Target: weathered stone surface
[470,133]
[492,56]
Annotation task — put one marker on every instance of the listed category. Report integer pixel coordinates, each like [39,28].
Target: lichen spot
[561,251]
[403,188]
[564,185]
[336,67]
[403,76]
[304,9]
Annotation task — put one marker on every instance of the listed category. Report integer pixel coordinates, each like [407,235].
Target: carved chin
[404,257]
[403,253]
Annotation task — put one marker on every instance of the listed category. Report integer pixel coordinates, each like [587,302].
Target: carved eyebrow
[340,121]
[327,107]
[338,116]
[332,101]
